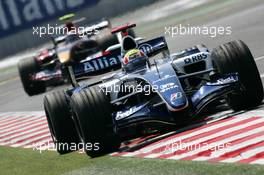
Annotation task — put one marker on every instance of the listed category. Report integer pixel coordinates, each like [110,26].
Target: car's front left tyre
[61,124]
[92,110]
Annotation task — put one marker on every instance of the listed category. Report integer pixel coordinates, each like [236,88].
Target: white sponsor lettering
[167,87]
[121,115]
[99,64]
[195,58]
[224,81]
[3,20]
[14,12]
[32,10]
[17,12]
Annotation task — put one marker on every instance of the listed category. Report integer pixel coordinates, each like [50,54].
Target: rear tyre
[233,57]
[60,122]
[26,68]
[92,111]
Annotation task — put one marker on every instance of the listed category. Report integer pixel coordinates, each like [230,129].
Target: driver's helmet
[134,59]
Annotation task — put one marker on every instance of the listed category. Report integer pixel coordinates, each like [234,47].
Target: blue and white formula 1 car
[176,89]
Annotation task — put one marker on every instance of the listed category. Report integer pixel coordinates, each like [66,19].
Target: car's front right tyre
[234,57]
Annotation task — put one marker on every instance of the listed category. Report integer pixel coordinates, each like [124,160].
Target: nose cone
[176,101]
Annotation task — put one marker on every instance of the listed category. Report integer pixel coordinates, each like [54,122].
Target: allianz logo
[101,63]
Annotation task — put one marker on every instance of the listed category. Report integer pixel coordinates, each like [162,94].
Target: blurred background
[17,18]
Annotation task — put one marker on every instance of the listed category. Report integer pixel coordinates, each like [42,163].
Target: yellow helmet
[134,59]
[132,54]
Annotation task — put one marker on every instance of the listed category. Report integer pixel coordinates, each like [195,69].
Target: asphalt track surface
[247,24]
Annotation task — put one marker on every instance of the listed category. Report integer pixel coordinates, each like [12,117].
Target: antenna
[157,68]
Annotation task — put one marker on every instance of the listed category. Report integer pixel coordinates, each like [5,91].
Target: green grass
[26,162]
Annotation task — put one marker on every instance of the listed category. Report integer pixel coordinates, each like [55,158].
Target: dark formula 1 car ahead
[148,97]
[46,69]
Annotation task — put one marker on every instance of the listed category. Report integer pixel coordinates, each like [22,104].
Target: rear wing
[111,59]
[123,29]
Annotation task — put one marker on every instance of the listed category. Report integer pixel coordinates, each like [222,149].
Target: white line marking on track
[21,121]
[258,161]
[227,140]
[211,136]
[244,155]
[21,134]
[26,137]
[238,146]
[22,126]
[177,139]
[31,141]
[259,58]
